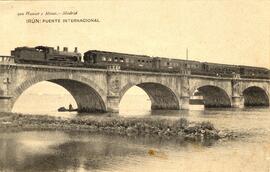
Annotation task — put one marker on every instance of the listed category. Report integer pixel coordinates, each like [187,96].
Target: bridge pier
[5,104]
[113,88]
[184,103]
[237,99]
[5,82]
[185,93]
[237,102]
[113,104]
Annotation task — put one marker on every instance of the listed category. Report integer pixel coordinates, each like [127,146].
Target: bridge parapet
[236,76]
[113,67]
[6,60]
[185,71]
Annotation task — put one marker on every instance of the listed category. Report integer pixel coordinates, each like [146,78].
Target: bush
[207,125]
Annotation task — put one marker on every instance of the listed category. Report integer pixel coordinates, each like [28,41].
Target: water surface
[80,151]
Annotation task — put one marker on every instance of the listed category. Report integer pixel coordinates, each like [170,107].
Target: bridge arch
[88,96]
[255,96]
[213,96]
[161,96]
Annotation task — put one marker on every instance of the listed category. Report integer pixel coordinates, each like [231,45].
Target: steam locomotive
[46,55]
[101,59]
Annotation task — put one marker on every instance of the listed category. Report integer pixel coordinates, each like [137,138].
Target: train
[101,59]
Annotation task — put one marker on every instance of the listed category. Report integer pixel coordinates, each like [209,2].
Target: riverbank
[146,126]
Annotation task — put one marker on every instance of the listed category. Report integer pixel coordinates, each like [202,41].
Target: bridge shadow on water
[76,151]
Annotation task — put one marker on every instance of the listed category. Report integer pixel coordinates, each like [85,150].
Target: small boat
[63,109]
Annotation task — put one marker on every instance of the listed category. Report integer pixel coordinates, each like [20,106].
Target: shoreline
[123,126]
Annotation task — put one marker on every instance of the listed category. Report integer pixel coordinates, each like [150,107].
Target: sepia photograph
[135,86]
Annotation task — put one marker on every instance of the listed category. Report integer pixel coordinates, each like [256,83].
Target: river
[73,151]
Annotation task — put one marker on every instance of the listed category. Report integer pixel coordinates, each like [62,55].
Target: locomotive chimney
[58,48]
[65,49]
[75,50]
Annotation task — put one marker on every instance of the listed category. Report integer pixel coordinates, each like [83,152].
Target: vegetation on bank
[157,127]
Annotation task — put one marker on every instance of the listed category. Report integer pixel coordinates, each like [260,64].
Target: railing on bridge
[113,67]
[185,71]
[6,59]
[236,76]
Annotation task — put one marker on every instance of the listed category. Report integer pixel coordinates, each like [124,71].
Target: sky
[223,31]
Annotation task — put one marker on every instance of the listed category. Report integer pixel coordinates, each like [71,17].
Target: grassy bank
[157,127]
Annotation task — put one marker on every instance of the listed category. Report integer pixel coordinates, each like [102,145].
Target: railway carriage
[221,70]
[254,72]
[126,61]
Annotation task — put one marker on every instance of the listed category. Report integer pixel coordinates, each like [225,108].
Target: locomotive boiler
[46,55]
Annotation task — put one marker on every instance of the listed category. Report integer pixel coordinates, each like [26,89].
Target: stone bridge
[102,89]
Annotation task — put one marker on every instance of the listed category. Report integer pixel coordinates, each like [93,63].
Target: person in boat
[70,107]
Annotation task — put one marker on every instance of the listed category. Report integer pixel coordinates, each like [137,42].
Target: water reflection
[53,151]
[59,151]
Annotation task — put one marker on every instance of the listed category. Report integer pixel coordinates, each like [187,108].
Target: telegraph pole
[186,65]
[187,54]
